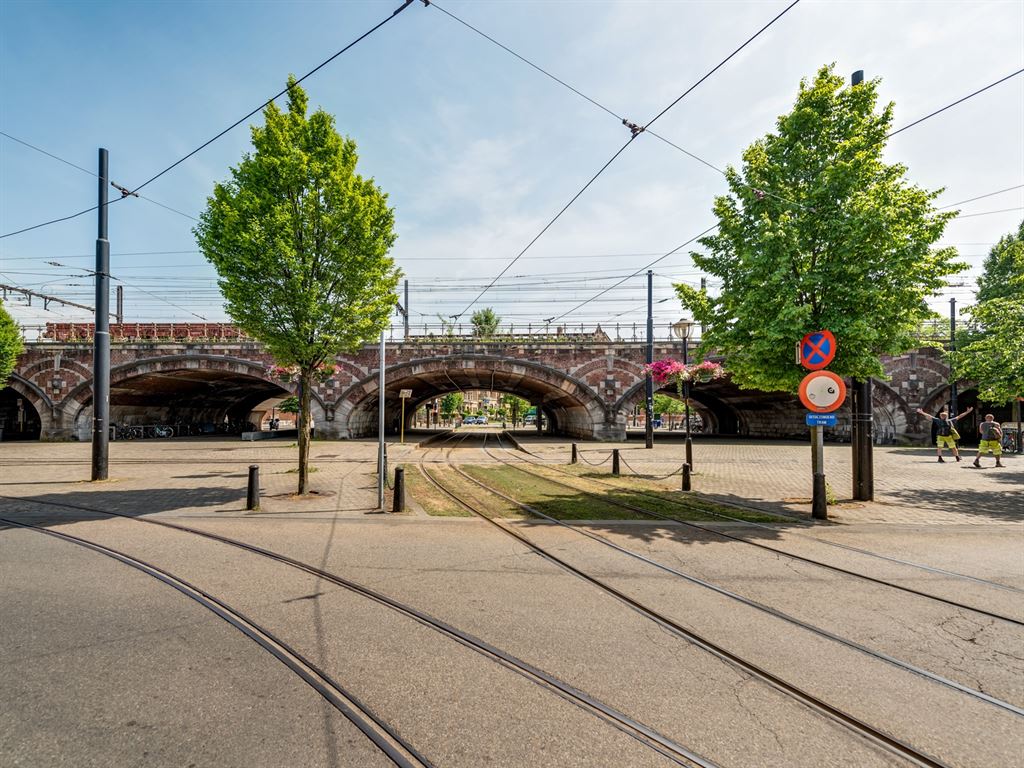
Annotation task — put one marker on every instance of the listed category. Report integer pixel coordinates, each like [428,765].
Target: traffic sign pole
[819,501]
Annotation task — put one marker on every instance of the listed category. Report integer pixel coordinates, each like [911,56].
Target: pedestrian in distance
[945,431]
[991,440]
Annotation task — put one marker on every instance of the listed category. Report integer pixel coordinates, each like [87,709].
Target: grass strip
[637,491]
[543,495]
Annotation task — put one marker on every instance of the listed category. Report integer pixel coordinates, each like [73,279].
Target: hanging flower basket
[664,371]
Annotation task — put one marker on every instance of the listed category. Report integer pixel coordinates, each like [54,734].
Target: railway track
[733,537]
[703,510]
[647,736]
[390,743]
[859,727]
[774,611]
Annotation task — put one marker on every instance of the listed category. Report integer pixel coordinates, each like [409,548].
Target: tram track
[383,736]
[732,537]
[764,526]
[647,736]
[854,724]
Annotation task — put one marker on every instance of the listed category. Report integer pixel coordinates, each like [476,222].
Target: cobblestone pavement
[910,485]
[193,476]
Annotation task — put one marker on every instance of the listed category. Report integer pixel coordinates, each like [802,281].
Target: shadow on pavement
[60,508]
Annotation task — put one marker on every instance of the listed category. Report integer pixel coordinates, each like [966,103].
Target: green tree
[10,345]
[485,322]
[819,233]
[516,407]
[990,351]
[666,405]
[451,404]
[300,243]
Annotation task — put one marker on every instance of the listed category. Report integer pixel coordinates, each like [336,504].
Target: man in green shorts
[991,440]
[944,431]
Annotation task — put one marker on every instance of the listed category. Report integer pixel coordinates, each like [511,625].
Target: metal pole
[819,502]
[381,469]
[401,438]
[952,348]
[686,404]
[406,313]
[649,399]
[863,443]
[119,312]
[101,337]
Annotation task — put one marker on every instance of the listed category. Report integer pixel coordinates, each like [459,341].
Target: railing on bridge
[935,333]
[421,333]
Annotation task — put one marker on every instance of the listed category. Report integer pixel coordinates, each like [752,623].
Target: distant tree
[10,345]
[990,350]
[667,406]
[485,322]
[451,404]
[516,408]
[300,242]
[289,405]
[819,233]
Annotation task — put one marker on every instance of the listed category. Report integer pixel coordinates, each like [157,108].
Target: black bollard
[252,499]
[575,455]
[399,499]
[686,477]
[819,504]
[615,461]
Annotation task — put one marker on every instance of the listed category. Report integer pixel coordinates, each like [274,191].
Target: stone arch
[573,406]
[719,416]
[212,387]
[36,410]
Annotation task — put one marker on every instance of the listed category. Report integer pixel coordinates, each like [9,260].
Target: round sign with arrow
[822,392]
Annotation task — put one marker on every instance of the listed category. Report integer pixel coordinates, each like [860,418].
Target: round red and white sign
[822,392]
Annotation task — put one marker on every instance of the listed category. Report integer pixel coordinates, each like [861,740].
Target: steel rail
[774,612]
[784,553]
[635,729]
[382,735]
[868,553]
[852,723]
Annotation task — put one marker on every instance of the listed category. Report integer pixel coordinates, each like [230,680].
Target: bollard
[819,505]
[399,498]
[252,499]
[615,461]
[686,477]
[575,455]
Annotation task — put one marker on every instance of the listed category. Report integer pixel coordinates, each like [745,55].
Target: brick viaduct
[586,384]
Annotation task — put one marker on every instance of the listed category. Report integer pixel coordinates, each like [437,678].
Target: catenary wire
[632,138]
[958,101]
[979,197]
[321,65]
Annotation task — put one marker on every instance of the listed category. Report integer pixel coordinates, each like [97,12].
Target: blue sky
[476,150]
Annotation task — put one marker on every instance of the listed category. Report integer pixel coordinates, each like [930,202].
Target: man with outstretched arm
[991,440]
[944,431]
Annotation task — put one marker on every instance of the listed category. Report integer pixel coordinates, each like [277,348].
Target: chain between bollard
[594,464]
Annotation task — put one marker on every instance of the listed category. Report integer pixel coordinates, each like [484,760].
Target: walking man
[991,440]
[944,431]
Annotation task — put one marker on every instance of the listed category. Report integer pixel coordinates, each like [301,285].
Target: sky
[476,150]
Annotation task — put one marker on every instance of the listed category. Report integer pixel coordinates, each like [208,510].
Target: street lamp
[681,330]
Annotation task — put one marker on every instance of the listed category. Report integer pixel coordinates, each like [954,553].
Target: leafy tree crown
[817,232]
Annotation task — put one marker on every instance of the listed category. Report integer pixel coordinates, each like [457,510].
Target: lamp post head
[681,329]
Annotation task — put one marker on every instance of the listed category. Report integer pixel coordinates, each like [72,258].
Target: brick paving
[202,476]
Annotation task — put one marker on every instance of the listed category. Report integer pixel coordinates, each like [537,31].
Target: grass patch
[295,471]
[638,492]
[427,496]
[544,496]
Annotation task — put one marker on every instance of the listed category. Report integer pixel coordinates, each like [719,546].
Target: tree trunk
[305,379]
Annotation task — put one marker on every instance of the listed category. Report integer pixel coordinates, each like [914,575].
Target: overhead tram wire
[318,67]
[909,125]
[176,163]
[635,131]
[958,101]
[980,197]
[598,104]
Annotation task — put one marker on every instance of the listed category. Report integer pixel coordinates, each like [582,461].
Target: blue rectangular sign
[820,419]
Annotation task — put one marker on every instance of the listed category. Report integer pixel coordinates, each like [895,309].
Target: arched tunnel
[570,407]
[197,397]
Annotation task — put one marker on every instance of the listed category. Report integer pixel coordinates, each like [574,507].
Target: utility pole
[649,399]
[119,312]
[952,348]
[406,308]
[381,465]
[101,337]
[862,441]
